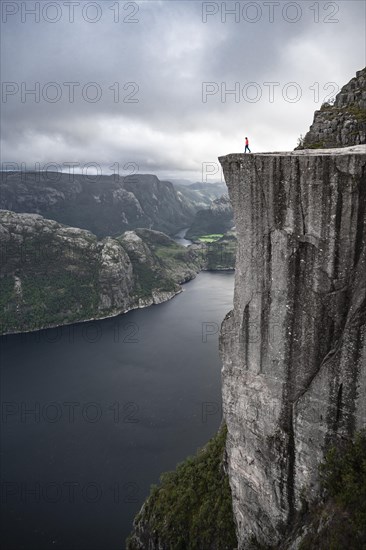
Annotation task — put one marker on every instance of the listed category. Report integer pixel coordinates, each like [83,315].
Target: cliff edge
[294,347]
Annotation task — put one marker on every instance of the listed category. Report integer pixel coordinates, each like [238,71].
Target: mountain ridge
[105,205]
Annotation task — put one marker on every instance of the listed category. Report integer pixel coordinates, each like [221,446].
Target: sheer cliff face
[294,347]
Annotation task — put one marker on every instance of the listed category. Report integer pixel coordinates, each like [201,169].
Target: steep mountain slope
[53,274]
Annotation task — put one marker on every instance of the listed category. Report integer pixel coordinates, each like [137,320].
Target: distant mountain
[201,194]
[105,205]
[178,181]
[218,218]
[197,184]
[216,188]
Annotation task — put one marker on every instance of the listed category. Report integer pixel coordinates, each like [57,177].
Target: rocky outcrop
[115,279]
[104,205]
[53,274]
[294,346]
[343,123]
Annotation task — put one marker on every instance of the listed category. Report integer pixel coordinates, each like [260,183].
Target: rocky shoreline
[142,304]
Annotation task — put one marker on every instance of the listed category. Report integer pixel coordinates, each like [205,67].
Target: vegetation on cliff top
[192,507]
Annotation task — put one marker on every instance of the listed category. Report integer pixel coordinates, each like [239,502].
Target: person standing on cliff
[247,145]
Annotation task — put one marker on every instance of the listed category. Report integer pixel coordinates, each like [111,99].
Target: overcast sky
[161,70]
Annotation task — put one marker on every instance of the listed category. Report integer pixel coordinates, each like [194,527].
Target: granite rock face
[344,123]
[294,347]
[116,279]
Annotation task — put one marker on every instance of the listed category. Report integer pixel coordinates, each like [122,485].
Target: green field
[210,238]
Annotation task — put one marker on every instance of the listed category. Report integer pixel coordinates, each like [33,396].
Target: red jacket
[247,141]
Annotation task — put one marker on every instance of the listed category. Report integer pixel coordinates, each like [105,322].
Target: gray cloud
[169,53]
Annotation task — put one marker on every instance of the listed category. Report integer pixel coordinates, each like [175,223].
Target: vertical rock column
[293,348]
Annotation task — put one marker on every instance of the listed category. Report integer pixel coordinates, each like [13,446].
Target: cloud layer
[169,85]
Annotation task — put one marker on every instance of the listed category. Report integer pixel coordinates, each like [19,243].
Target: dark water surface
[93,413]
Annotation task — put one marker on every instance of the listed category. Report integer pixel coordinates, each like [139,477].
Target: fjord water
[93,413]
[180,237]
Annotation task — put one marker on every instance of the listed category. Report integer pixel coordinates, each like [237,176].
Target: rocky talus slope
[344,123]
[294,346]
[52,274]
